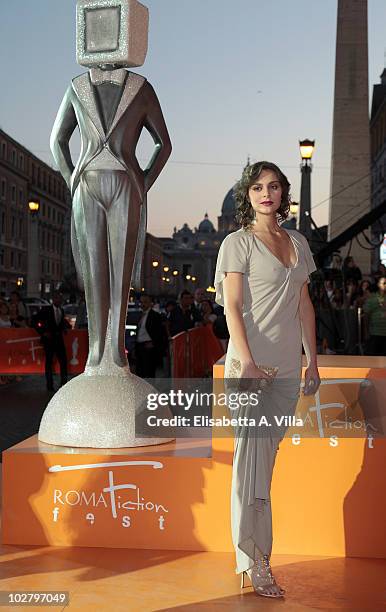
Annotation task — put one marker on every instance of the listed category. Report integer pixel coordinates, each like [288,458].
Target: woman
[207,312]
[261,279]
[364,292]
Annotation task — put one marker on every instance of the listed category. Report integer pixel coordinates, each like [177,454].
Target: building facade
[187,259]
[35,252]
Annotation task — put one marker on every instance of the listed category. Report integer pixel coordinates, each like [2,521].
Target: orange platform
[328,494]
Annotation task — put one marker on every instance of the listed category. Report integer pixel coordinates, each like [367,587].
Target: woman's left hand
[311,380]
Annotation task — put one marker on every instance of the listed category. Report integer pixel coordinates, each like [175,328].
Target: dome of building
[206,225]
[229,204]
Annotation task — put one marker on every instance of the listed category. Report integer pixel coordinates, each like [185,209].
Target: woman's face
[265,193]
[206,309]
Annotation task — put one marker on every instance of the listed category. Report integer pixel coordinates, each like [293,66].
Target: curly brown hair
[244,211]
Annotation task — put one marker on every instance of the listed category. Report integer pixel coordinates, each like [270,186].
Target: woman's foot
[262,579]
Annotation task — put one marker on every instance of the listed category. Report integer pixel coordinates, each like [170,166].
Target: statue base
[100,409]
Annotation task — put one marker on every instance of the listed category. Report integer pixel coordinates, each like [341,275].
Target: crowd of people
[342,292]
[350,310]
[160,322]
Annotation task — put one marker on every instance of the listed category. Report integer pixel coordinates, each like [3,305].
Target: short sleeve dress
[271,296]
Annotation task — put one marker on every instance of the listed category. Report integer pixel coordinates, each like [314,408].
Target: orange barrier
[194,352]
[178,355]
[21,351]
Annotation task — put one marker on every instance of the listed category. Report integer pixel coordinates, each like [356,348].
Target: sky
[234,79]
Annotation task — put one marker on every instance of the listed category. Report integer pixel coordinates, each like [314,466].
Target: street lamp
[306,151]
[175,272]
[155,264]
[33,207]
[166,268]
[33,267]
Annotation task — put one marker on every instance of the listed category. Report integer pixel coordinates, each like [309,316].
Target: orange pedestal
[328,494]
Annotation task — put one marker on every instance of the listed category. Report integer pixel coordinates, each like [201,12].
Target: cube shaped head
[111,32]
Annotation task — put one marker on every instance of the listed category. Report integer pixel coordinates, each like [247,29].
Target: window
[21,197]
[2,228]
[2,258]
[44,209]
[53,214]
[21,161]
[4,150]
[48,241]
[13,193]
[49,212]
[3,188]
[20,228]
[14,157]
[12,227]
[19,260]
[12,259]
[43,266]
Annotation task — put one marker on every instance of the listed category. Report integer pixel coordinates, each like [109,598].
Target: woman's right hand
[250,370]
[249,373]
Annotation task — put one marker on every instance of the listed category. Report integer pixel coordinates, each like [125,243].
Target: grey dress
[271,295]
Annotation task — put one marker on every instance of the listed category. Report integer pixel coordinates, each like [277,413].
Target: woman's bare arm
[307,318]
[233,300]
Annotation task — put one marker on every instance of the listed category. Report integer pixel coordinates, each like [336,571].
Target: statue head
[111,33]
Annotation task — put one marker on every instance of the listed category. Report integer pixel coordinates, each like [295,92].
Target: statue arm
[65,124]
[155,124]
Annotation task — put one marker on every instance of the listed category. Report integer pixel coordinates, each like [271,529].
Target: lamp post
[33,270]
[306,151]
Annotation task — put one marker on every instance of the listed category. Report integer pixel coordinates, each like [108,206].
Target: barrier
[21,351]
[194,352]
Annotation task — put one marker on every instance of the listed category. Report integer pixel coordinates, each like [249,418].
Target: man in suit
[184,316]
[110,106]
[151,339]
[50,323]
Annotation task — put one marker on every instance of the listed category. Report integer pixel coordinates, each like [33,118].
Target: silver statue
[110,106]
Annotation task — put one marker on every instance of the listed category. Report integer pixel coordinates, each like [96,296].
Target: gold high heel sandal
[260,574]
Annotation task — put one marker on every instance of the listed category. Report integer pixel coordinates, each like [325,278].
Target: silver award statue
[110,106]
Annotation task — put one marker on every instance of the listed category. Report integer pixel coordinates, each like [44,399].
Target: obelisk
[350,163]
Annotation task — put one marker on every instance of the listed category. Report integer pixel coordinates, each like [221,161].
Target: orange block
[328,494]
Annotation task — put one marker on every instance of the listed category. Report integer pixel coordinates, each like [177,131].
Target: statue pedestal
[100,409]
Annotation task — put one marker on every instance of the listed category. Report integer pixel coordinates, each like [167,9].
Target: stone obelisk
[350,164]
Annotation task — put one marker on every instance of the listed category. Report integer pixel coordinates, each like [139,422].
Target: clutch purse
[235,369]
